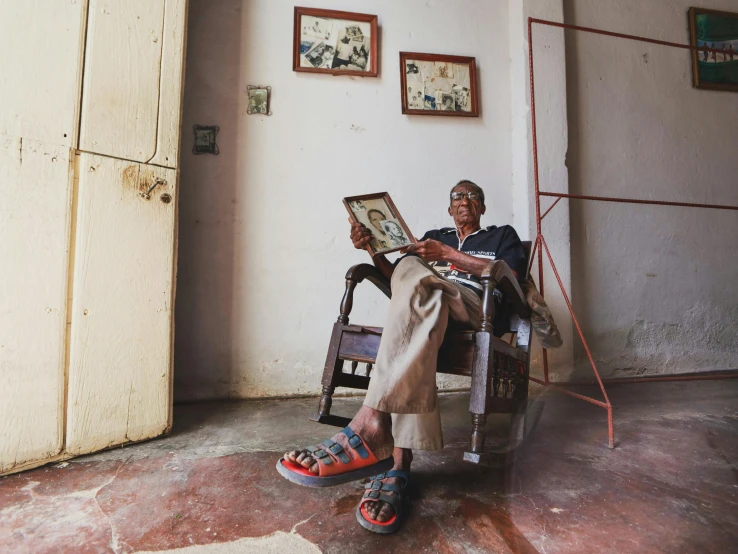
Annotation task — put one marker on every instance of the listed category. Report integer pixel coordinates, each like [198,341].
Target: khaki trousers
[403,381]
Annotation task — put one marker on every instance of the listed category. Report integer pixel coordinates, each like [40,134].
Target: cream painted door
[41,69]
[122,298]
[133,80]
[40,80]
[120,366]
[35,200]
[87,246]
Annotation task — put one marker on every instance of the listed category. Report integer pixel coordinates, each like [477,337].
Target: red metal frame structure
[540,242]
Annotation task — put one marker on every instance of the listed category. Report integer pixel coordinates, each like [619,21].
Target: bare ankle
[403,458]
[373,422]
[375,428]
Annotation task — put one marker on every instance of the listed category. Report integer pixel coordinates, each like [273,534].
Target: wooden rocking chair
[498,370]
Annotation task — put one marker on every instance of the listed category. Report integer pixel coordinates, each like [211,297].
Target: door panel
[36,183]
[123,63]
[172,84]
[40,69]
[123,289]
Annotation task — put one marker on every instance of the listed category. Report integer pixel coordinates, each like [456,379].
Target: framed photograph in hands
[335,42]
[435,84]
[379,214]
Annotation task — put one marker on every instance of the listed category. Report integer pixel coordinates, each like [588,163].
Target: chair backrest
[519,326]
[527,245]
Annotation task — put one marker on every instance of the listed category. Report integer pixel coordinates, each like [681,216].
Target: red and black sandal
[376,492]
[335,465]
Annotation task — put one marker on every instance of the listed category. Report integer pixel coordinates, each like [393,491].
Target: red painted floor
[671,485]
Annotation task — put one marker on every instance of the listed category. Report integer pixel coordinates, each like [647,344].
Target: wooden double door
[90,117]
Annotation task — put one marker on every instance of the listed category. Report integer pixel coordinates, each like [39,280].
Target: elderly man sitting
[437,279]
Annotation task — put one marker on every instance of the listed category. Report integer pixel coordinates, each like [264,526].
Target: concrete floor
[671,485]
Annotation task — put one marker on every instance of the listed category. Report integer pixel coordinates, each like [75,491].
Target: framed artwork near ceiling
[718,31]
[335,42]
[436,84]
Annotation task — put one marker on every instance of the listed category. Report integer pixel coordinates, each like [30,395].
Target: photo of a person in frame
[343,52]
[359,57]
[395,233]
[375,218]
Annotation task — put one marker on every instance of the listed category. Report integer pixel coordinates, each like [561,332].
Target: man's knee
[410,269]
[412,264]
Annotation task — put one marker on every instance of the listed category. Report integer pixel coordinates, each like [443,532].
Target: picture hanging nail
[259,100]
[205,139]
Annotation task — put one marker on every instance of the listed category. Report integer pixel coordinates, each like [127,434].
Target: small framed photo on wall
[259,99]
[335,42]
[435,84]
[379,214]
[715,30]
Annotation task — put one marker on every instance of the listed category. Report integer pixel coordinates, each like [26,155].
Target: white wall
[263,234]
[655,286]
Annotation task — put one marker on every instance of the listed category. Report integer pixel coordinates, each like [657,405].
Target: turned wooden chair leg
[477,434]
[331,372]
[326,401]
[480,393]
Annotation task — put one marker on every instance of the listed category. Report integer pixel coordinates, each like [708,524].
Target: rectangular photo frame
[439,85]
[717,30]
[335,42]
[381,217]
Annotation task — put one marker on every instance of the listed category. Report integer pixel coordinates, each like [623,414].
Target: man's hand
[360,235]
[430,250]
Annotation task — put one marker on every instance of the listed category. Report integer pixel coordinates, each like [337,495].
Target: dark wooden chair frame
[498,370]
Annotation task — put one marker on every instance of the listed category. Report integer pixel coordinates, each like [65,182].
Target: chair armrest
[369,272]
[498,274]
[355,275]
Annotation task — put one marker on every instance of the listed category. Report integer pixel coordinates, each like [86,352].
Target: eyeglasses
[472,196]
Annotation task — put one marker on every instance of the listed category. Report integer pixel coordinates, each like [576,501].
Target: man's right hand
[360,235]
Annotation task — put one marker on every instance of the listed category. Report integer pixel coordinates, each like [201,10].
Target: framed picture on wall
[719,31]
[435,84]
[379,214]
[335,42]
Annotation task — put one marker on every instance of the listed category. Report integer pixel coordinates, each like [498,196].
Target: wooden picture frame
[205,139]
[340,45]
[448,72]
[362,209]
[260,100]
[712,64]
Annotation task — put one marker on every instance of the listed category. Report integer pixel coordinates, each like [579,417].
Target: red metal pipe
[576,321]
[706,376]
[550,207]
[575,395]
[534,132]
[636,201]
[533,254]
[558,196]
[532,20]
[535,139]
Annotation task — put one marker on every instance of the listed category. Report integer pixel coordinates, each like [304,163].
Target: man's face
[465,211]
